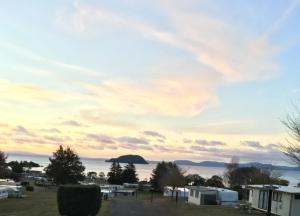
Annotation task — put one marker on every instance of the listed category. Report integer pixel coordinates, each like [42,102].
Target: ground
[161,206]
[43,203]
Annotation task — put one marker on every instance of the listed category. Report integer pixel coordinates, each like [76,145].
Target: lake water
[144,170]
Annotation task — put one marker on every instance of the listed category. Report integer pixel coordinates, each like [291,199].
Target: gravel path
[122,207]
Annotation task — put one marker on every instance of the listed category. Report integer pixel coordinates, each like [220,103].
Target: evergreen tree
[3,165]
[166,174]
[115,174]
[65,167]
[129,174]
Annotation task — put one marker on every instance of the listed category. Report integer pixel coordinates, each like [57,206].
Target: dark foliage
[166,174]
[29,188]
[253,175]
[292,148]
[65,167]
[194,180]
[129,174]
[215,181]
[135,159]
[230,174]
[115,174]
[79,200]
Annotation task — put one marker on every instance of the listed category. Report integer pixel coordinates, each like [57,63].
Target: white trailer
[3,193]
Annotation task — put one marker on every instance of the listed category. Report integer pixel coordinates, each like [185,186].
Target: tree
[166,174]
[92,175]
[215,181]
[115,174]
[65,167]
[292,149]
[194,180]
[3,166]
[230,174]
[16,167]
[253,175]
[129,174]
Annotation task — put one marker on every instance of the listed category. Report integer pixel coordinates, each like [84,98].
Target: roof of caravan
[202,188]
[177,188]
[286,189]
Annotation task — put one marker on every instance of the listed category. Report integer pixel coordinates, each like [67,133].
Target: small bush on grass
[29,188]
[79,200]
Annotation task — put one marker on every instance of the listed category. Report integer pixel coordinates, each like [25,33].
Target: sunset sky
[168,79]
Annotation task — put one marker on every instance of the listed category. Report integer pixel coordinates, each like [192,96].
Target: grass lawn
[41,203]
[193,210]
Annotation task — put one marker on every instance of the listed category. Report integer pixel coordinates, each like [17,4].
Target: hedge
[79,200]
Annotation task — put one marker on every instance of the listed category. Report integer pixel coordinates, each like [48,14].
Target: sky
[195,79]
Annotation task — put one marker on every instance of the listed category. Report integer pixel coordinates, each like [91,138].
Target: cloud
[210,143]
[185,140]
[203,149]
[73,123]
[22,51]
[27,92]
[154,134]
[51,130]
[117,96]
[236,58]
[22,131]
[132,140]
[136,147]
[57,139]
[101,138]
[258,146]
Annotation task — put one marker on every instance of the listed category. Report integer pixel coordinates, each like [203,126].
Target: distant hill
[135,159]
[222,164]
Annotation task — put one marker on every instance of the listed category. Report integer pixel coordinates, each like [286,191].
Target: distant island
[222,164]
[135,159]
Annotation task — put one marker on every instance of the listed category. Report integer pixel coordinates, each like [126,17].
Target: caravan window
[297,196]
[197,194]
[277,196]
[192,192]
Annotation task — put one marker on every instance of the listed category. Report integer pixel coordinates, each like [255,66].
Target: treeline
[65,167]
[170,174]
[14,169]
[118,176]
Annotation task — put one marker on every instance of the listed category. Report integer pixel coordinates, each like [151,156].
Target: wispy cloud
[258,146]
[148,98]
[210,143]
[27,92]
[154,134]
[22,51]
[73,123]
[236,58]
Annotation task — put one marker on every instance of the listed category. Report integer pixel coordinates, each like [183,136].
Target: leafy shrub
[79,200]
[24,183]
[29,188]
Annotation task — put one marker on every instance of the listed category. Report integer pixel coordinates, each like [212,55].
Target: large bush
[79,200]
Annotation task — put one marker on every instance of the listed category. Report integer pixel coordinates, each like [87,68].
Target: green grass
[41,203]
[193,210]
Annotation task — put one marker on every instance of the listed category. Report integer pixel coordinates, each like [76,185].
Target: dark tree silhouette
[129,174]
[3,165]
[230,175]
[166,174]
[65,167]
[215,181]
[194,180]
[292,148]
[115,174]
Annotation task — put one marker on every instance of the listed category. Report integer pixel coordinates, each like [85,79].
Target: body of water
[144,170]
